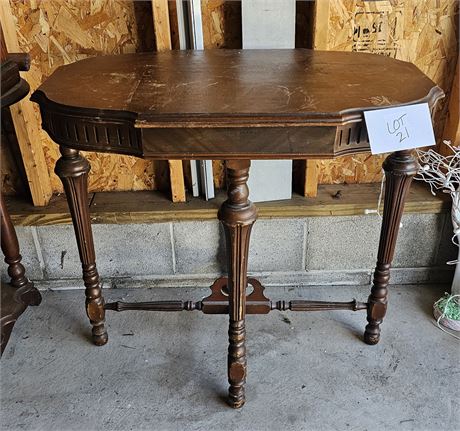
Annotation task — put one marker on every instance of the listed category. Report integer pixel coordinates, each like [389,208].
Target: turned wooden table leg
[10,249]
[72,168]
[400,167]
[237,215]
[21,292]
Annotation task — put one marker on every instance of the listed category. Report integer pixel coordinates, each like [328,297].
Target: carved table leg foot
[237,215]
[400,167]
[10,249]
[72,169]
[20,292]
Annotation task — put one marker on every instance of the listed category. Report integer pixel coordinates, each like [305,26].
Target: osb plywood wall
[423,32]
[57,32]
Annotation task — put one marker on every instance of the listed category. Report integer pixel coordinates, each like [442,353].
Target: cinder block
[426,275]
[447,251]
[277,245]
[335,243]
[199,247]
[352,242]
[121,250]
[316,278]
[29,255]
[59,251]
[418,240]
[136,249]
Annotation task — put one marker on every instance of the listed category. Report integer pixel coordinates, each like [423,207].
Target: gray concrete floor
[167,371]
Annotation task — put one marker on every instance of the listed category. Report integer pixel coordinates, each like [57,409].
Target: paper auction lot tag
[400,128]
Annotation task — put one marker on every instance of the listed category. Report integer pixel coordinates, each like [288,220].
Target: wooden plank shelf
[152,207]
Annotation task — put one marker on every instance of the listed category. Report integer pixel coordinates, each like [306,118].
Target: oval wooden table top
[226,89]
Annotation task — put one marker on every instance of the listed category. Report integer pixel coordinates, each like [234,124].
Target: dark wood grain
[214,85]
[101,103]
[244,143]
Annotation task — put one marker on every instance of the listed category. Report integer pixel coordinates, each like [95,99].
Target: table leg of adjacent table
[72,168]
[400,167]
[20,292]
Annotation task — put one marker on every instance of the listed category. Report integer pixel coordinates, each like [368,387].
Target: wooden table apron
[236,106]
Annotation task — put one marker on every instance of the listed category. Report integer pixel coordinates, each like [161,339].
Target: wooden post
[163,43]
[452,125]
[321,16]
[26,124]
[311,178]
[320,27]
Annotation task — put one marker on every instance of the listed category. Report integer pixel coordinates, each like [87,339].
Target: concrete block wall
[294,251]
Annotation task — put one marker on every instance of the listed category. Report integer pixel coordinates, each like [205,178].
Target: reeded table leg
[400,167]
[237,215]
[72,169]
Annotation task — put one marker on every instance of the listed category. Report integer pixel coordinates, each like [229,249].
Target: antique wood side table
[232,105]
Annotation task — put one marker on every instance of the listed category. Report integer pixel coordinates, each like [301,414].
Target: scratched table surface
[220,104]
[217,84]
